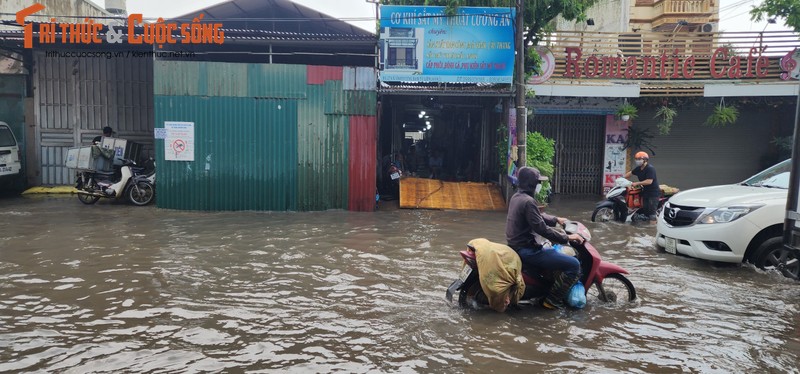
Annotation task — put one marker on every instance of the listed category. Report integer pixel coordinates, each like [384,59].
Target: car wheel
[772,255]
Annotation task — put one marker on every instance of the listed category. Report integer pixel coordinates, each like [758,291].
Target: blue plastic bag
[577,296]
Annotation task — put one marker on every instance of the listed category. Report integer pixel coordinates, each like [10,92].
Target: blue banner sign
[422,44]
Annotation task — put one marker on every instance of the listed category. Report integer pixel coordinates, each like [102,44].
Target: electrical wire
[735,5]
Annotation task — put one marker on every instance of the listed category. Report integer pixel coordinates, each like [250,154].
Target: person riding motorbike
[530,233]
[649,183]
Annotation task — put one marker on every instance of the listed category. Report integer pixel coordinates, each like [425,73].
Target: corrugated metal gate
[579,151]
[268,136]
[12,94]
[694,155]
[76,97]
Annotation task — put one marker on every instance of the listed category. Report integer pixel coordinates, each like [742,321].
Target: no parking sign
[179,141]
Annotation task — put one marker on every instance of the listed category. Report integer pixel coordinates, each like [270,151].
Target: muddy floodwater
[118,288]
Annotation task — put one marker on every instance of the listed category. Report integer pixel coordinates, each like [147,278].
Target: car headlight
[728,214]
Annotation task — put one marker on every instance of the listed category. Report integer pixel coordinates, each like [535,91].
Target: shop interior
[450,138]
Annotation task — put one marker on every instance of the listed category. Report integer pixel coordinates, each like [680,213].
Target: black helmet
[528,178]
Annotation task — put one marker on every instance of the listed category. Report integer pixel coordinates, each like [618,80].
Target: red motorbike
[609,281]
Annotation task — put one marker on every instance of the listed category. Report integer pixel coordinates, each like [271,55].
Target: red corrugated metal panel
[320,74]
[362,163]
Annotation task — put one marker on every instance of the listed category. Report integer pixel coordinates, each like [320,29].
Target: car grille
[681,215]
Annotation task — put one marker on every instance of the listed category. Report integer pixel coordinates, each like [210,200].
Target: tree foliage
[541,152]
[788,10]
[537,18]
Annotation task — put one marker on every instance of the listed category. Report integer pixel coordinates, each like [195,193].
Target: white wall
[608,16]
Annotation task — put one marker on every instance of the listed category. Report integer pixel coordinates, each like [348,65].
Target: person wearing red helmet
[649,183]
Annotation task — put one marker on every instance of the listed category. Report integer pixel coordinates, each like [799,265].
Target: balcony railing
[677,7]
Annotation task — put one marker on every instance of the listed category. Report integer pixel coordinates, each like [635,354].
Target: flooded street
[119,288]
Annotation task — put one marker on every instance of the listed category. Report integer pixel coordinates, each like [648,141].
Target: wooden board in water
[436,194]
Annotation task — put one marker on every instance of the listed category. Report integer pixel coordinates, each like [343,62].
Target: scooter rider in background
[526,227]
[649,182]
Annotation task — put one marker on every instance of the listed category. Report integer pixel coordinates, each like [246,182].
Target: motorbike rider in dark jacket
[530,232]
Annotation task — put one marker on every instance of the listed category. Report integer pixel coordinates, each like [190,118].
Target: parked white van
[10,156]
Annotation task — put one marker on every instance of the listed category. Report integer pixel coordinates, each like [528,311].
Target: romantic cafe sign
[722,64]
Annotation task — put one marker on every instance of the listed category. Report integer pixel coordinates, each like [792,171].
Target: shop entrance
[579,151]
[445,138]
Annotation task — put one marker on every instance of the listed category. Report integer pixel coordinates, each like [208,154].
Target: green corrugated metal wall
[173,78]
[264,138]
[238,165]
[322,161]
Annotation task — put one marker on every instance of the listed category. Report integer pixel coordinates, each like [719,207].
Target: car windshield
[6,137]
[774,177]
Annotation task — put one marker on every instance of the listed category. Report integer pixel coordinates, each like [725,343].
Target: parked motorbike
[623,202]
[610,285]
[135,183]
[391,178]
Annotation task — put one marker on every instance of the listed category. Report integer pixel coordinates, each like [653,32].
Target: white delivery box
[85,159]
[81,159]
[72,158]
[123,149]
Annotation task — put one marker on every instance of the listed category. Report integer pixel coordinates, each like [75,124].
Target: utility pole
[519,83]
[791,232]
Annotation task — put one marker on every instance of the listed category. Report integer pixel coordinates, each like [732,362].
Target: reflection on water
[112,287]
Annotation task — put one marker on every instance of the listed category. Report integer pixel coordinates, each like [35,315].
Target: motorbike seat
[531,275]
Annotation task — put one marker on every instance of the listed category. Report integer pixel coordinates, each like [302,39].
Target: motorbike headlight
[728,214]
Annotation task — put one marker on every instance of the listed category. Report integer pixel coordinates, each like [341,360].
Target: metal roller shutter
[695,155]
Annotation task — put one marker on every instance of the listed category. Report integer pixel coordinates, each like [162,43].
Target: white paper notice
[179,142]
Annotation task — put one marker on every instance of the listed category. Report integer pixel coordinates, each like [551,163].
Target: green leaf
[627,109]
[722,116]
[665,116]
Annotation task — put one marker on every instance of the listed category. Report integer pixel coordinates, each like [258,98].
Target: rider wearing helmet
[528,231]
[650,189]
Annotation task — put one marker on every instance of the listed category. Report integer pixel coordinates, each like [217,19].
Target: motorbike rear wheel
[142,193]
[88,186]
[615,288]
[472,297]
[603,214]
[88,199]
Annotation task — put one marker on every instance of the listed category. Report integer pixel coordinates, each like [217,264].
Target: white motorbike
[623,201]
[137,184]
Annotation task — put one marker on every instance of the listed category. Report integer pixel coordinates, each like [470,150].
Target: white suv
[10,166]
[732,223]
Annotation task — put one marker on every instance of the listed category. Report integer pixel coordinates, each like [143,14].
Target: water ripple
[167,291]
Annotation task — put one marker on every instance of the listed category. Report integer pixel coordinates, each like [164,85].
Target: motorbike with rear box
[108,170]
[623,202]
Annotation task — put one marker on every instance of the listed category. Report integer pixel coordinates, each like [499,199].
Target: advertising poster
[512,144]
[422,44]
[615,157]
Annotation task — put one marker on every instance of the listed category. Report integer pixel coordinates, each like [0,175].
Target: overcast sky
[734,14]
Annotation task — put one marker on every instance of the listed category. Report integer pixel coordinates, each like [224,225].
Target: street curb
[51,190]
